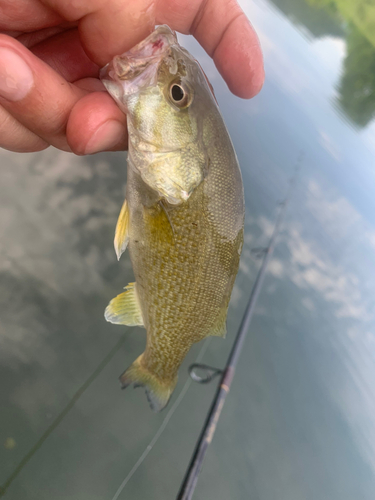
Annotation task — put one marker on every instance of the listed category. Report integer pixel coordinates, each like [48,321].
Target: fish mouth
[126,74]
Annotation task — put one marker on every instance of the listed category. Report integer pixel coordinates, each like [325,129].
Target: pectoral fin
[125,309]
[122,231]
[176,174]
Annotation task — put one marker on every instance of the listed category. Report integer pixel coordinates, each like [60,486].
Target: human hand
[51,52]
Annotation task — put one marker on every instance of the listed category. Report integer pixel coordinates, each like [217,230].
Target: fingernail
[108,135]
[16,78]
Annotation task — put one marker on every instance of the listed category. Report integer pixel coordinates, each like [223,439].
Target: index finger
[224,31]
[110,27]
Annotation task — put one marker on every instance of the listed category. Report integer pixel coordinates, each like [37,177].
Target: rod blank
[191,477]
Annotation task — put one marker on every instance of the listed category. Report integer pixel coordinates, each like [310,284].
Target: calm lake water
[299,423]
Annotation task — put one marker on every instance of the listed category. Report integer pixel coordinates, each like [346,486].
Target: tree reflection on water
[357,85]
[354,22]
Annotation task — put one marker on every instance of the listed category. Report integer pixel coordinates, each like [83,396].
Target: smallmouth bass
[183,216]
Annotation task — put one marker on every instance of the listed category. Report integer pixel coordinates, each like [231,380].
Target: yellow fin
[158,391]
[122,230]
[125,309]
[220,327]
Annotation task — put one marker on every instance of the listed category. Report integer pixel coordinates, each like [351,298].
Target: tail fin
[158,392]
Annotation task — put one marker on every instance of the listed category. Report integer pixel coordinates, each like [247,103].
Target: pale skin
[51,52]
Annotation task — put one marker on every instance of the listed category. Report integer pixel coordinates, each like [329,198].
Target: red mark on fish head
[157,45]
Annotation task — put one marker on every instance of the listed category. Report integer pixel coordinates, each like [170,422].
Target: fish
[183,216]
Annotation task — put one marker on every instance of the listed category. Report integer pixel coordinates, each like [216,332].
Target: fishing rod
[191,477]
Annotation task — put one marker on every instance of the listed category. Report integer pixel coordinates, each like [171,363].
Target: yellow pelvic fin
[125,309]
[219,329]
[158,391]
[122,230]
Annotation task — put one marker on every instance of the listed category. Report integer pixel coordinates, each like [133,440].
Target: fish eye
[179,95]
[177,92]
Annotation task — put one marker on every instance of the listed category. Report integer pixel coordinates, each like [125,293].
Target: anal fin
[125,309]
[122,230]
